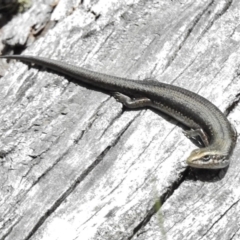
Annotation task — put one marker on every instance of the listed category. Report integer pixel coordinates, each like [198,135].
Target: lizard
[202,118]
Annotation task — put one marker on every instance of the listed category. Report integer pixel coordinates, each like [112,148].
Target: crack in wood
[221,216]
[62,198]
[233,236]
[93,118]
[160,202]
[10,229]
[217,16]
[116,118]
[187,34]
[233,105]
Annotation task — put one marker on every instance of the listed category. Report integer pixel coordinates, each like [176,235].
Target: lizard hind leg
[197,132]
[132,102]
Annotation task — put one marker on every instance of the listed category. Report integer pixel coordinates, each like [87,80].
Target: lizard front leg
[132,102]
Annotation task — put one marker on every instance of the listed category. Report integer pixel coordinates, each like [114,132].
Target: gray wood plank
[76,165]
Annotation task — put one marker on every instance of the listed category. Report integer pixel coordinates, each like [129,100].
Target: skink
[203,119]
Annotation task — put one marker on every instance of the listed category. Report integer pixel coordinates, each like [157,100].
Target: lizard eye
[206,158]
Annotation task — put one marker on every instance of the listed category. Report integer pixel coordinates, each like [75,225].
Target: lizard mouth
[211,164]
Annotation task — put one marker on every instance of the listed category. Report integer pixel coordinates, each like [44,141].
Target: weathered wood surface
[75,164]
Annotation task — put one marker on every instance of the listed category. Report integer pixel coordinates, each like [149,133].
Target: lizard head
[207,158]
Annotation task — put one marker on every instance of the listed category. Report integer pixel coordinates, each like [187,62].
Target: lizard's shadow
[207,175]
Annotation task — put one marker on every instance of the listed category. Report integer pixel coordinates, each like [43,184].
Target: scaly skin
[202,117]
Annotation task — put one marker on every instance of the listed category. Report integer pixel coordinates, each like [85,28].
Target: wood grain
[75,164]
